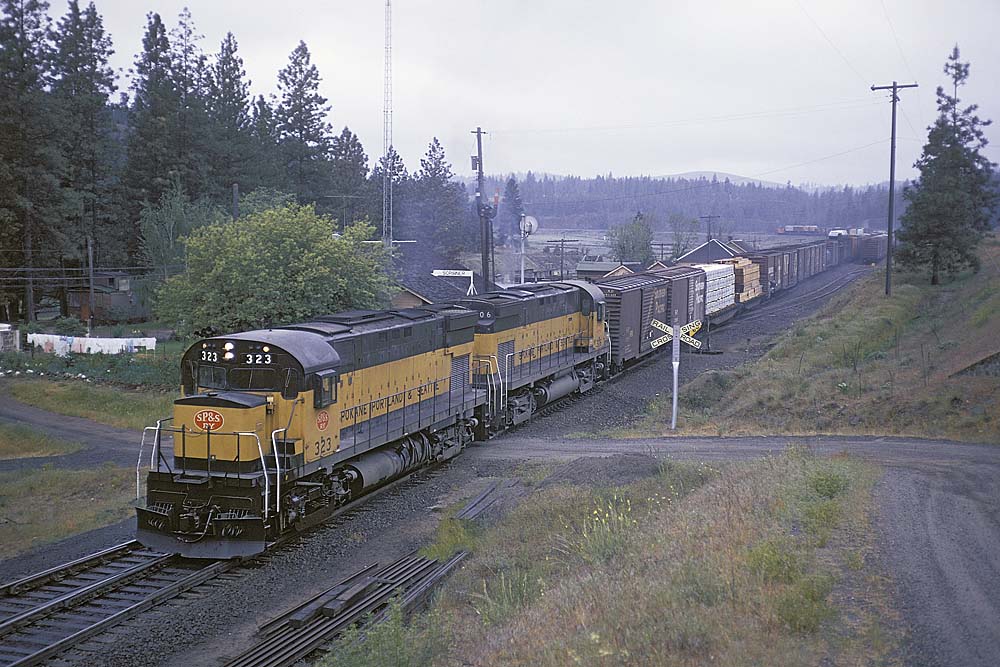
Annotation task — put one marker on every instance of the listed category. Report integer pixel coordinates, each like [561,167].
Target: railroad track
[51,612]
[831,288]
[362,598]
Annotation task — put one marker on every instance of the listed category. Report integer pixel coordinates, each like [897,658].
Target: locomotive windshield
[248,379]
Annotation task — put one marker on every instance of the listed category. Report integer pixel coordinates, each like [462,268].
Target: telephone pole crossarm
[895,88]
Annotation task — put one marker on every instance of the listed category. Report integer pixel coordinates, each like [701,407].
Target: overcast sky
[769,89]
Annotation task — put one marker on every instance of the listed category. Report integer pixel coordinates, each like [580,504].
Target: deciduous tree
[632,242]
[273,267]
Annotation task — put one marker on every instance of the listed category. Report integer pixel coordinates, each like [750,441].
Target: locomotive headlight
[204,345]
[229,356]
[267,349]
[228,347]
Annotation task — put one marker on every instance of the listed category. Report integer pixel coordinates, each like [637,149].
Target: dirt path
[101,443]
[938,522]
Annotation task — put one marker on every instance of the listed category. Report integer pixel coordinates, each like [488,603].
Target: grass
[692,566]
[18,442]
[107,405]
[865,365]
[45,505]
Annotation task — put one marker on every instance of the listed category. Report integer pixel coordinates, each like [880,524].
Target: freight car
[277,428]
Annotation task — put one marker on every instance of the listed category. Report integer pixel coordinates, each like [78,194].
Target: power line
[830,41]
[906,64]
[748,115]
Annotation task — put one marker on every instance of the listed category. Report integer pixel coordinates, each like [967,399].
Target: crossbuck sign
[687,333]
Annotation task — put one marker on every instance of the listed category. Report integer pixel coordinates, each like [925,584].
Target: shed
[710,251]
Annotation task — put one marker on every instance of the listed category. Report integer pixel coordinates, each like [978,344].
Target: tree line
[139,172]
[572,202]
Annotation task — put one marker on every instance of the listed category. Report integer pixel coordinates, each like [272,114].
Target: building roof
[414,263]
[709,251]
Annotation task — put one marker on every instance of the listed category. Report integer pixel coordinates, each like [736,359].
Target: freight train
[277,428]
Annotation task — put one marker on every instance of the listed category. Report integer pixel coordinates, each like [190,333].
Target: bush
[63,326]
[828,484]
[774,560]
[803,607]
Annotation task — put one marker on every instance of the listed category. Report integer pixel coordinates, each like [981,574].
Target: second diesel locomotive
[276,428]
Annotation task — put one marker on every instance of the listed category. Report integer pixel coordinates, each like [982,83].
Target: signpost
[454,273]
[677,334]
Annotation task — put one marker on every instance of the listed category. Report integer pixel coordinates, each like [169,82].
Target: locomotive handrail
[152,453]
[263,465]
[490,388]
[277,463]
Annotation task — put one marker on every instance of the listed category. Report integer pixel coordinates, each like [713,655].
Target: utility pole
[90,271]
[236,201]
[709,219]
[661,247]
[484,210]
[895,87]
[562,253]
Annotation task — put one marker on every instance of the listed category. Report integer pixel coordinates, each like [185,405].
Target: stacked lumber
[719,286]
[747,278]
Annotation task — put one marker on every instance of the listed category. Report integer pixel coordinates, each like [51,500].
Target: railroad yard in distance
[271,396]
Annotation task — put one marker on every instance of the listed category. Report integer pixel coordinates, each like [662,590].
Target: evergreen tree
[350,191]
[228,103]
[30,163]
[265,168]
[440,207]
[954,201]
[400,186]
[190,127]
[513,209]
[303,133]
[81,90]
[150,149]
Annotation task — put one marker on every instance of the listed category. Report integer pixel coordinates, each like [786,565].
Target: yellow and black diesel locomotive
[276,428]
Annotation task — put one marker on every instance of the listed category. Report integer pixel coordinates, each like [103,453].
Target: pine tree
[400,186]
[84,82]
[512,209]
[150,148]
[30,162]
[190,128]
[439,206]
[303,133]
[954,201]
[228,102]
[266,169]
[350,189]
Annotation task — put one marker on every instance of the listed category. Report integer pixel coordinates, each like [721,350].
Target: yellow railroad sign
[687,333]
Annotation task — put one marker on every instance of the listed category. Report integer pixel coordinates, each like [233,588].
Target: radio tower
[387,132]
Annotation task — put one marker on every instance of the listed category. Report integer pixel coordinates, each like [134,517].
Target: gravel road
[937,519]
[101,443]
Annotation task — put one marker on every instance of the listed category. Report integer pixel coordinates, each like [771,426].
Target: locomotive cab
[249,406]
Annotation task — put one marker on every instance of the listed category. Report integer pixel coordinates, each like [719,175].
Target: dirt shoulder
[936,521]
